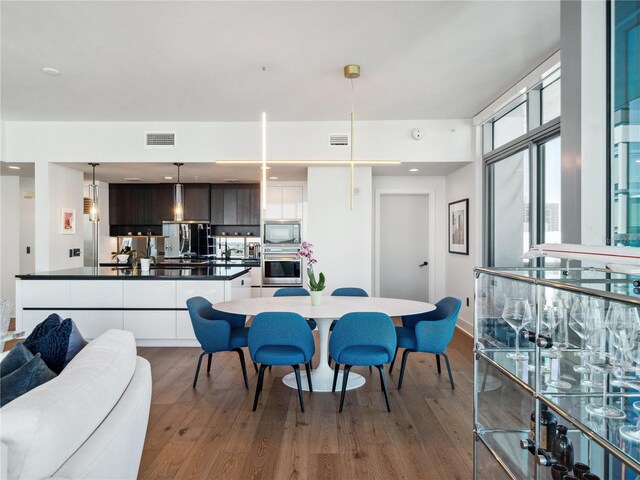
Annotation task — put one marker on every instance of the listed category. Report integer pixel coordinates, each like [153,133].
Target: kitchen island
[152,304]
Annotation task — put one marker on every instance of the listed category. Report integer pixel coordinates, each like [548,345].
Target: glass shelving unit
[579,344]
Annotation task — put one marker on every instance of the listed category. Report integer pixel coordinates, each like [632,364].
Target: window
[524,175]
[624,165]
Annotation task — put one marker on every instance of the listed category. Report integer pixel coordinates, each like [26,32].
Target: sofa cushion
[27,377]
[45,426]
[17,357]
[57,340]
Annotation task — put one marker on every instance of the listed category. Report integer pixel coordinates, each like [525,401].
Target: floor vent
[339,140]
[163,140]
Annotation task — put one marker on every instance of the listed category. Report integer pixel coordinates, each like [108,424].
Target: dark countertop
[112,273]
[197,263]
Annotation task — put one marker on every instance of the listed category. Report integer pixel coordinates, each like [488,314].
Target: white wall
[27,225]
[436,187]
[460,278]
[9,235]
[58,187]
[342,238]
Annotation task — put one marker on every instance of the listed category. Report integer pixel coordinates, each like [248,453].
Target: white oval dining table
[330,309]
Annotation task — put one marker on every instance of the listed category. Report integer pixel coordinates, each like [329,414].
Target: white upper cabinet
[284,203]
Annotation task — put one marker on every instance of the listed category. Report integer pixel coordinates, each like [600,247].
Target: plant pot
[145,264]
[123,258]
[316,298]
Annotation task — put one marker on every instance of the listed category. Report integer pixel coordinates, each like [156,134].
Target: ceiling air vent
[160,140]
[339,140]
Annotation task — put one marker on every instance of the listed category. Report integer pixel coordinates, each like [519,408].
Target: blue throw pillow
[44,327]
[17,357]
[57,340]
[29,376]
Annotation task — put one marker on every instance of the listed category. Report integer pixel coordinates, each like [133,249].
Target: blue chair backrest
[292,292]
[433,336]
[349,292]
[444,308]
[363,328]
[213,334]
[280,328]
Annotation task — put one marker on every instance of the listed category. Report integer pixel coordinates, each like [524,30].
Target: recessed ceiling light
[413,169]
[273,178]
[168,178]
[51,71]
[14,167]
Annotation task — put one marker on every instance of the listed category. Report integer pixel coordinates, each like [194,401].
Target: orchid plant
[306,251]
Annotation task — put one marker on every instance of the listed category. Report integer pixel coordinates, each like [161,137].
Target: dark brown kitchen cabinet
[196,201]
[235,205]
[129,205]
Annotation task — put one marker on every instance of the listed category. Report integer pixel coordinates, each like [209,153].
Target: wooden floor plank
[211,431]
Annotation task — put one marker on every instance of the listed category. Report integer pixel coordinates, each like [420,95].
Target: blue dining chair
[362,339]
[281,338]
[346,292]
[428,332]
[217,332]
[296,292]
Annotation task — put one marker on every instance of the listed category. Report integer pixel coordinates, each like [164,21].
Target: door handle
[423,264]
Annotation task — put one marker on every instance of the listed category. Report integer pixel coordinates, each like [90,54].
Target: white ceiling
[201,61]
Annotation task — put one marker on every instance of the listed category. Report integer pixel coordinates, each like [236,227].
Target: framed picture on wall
[459,227]
[68,221]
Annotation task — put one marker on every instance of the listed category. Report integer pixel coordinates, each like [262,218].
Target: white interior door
[404,247]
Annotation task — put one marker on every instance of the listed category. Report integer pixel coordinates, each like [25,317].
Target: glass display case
[556,374]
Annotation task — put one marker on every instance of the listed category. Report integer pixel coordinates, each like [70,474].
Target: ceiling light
[54,72]
[168,178]
[413,169]
[273,178]
[178,198]
[351,72]
[14,167]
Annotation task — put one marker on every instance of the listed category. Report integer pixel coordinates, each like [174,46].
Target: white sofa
[87,423]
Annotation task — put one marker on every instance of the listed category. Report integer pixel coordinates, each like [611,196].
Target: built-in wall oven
[281,266]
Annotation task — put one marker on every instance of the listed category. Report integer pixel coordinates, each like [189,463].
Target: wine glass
[623,323]
[596,336]
[578,321]
[557,318]
[517,313]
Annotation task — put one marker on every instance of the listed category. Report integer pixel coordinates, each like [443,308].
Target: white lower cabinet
[211,290]
[238,288]
[31,318]
[150,293]
[184,328]
[93,323]
[151,324]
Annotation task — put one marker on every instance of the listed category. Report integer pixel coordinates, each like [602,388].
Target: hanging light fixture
[93,196]
[351,72]
[178,198]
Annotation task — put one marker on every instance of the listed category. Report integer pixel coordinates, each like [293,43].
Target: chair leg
[259,385]
[370,370]
[195,379]
[307,367]
[330,359]
[270,368]
[383,385]
[345,377]
[393,361]
[405,355]
[446,359]
[335,377]
[255,366]
[296,369]
[243,365]
[438,364]
[209,363]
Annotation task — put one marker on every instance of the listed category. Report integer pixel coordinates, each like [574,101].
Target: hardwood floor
[211,432]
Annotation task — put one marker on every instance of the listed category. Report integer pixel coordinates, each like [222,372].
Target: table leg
[322,375]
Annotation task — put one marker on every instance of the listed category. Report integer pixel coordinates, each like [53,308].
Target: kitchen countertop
[196,263]
[111,273]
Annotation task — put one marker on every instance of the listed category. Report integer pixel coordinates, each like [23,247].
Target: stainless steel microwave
[282,233]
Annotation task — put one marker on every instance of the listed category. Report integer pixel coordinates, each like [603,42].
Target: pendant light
[263,182]
[178,198]
[351,72]
[93,196]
